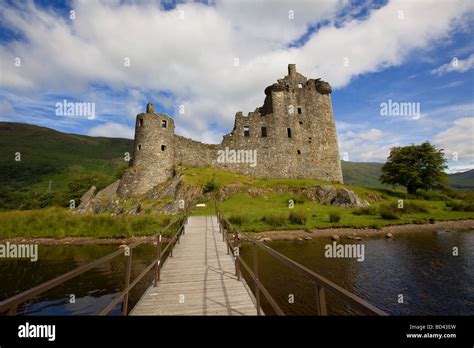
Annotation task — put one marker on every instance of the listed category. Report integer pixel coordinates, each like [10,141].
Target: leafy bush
[275,220]
[412,207]
[210,186]
[238,219]
[370,210]
[460,206]
[431,195]
[297,218]
[465,196]
[389,212]
[298,199]
[334,216]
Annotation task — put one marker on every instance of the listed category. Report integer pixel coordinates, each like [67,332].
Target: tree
[415,167]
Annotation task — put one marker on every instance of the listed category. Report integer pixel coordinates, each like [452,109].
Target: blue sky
[215,58]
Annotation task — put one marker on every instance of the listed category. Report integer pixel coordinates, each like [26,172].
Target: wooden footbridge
[197,271]
[200,277]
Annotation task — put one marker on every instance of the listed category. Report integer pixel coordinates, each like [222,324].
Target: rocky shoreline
[267,236]
[361,232]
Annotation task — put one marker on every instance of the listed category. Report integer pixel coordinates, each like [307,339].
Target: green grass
[317,215]
[269,210]
[61,222]
[203,175]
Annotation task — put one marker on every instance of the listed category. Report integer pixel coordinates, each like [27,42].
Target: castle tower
[294,131]
[153,154]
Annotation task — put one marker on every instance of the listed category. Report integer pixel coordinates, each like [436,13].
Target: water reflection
[420,267]
[92,291]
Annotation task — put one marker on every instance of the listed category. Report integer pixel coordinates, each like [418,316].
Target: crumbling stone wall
[293,135]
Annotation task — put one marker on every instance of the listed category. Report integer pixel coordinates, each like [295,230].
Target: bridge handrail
[321,282]
[10,305]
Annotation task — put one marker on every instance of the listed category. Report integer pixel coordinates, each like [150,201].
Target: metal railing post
[158,260]
[255,271]
[320,300]
[127,283]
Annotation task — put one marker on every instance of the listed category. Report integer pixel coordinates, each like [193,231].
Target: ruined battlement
[292,135]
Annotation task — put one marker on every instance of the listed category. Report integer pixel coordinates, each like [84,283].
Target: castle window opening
[264,132]
[140,122]
[299,152]
[301,122]
[300,85]
[246,131]
[163,147]
[299,110]
[164,124]
[139,147]
[288,131]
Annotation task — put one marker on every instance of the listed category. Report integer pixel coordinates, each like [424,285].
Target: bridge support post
[320,300]
[158,260]
[236,257]
[255,271]
[127,283]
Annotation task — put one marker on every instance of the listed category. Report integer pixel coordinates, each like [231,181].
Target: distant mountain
[462,181]
[56,167]
[368,173]
[362,173]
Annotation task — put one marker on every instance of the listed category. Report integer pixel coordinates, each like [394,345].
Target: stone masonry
[293,135]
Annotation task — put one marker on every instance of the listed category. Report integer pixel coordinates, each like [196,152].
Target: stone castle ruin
[293,135]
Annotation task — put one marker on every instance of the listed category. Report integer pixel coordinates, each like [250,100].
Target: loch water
[417,268]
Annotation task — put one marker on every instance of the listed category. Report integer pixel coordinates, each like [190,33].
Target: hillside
[362,173]
[72,163]
[463,180]
[68,161]
[367,174]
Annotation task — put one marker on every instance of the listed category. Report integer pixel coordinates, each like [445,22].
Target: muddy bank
[77,241]
[459,225]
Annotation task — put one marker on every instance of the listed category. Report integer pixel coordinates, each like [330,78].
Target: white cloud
[192,58]
[461,168]
[112,130]
[366,145]
[459,65]
[458,139]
